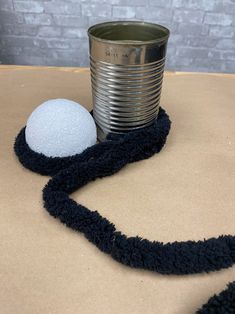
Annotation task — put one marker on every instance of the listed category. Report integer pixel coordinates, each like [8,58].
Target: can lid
[129,32]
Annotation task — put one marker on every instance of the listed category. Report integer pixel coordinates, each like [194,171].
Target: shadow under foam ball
[60,128]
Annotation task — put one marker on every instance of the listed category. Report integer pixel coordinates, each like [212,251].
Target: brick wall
[53,32]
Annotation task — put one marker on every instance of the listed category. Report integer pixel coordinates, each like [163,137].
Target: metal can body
[127,64]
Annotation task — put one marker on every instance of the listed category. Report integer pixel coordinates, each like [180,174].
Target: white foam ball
[60,128]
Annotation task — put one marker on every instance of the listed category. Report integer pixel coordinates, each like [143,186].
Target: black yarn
[107,158]
[224,303]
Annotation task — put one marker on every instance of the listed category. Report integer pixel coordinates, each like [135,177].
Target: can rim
[120,42]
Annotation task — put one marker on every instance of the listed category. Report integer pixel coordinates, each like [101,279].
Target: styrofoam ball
[60,128]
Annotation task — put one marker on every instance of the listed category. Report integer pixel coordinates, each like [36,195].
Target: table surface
[185,192]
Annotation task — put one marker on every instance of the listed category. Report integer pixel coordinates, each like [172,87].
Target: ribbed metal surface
[127,63]
[125,97]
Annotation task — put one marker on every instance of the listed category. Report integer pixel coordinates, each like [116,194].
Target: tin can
[127,61]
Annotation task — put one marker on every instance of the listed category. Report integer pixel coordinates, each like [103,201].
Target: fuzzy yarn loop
[104,159]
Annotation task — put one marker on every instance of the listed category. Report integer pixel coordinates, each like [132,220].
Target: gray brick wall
[53,32]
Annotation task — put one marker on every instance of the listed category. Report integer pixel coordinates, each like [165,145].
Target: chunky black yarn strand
[223,303]
[104,159]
